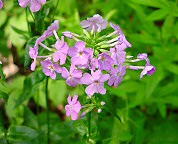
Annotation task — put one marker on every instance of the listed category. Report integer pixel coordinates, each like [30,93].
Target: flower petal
[91,89]
[74,115]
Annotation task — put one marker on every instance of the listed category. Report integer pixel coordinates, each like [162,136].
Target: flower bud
[103,103]
[99,110]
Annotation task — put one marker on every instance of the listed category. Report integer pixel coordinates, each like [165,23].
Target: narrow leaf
[157,15]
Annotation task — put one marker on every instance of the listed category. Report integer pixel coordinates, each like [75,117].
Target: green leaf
[3,15]
[167,28]
[61,131]
[22,133]
[4,95]
[152,3]
[157,15]
[80,127]
[2,75]
[29,86]
[108,107]
[121,132]
[19,31]
[171,67]
[153,81]
[30,119]
[58,91]
[162,109]
[2,136]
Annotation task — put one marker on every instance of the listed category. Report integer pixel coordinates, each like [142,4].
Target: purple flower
[148,69]
[117,75]
[142,56]
[73,107]
[105,61]
[61,53]
[72,77]
[1,4]
[68,34]
[118,54]
[79,53]
[33,54]
[92,62]
[53,27]
[95,23]
[50,69]
[122,40]
[35,5]
[95,82]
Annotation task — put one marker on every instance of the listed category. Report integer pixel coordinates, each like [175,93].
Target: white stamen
[55,34]
[41,44]
[44,56]
[113,40]
[113,33]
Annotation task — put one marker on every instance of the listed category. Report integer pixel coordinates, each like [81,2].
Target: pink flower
[118,54]
[105,61]
[50,30]
[73,76]
[33,54]
[122,40]
[50,69]
[35,5]
[79,54]
[1,4]
[149,69]
[61,53]
[73,107]
[95,23]
[117,75]
[95,82]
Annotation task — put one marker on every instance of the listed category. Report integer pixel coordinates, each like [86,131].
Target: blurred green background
[148,108]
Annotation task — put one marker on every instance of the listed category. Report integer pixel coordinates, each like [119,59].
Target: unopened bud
[99,110]
[103,103]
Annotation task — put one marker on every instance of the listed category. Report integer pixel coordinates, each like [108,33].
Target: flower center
[51,67]
[118,74]
[103,59]
[70,76]
[70,107]
[96,82]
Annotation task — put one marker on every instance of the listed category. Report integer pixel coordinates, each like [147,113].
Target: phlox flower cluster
[35,5]
[94,61]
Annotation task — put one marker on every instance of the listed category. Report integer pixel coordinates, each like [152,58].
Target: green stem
[28,23]
[47,107]
[31,14]
[55,11]
[89,120]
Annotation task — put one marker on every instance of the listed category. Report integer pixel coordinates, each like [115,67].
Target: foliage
[137,111]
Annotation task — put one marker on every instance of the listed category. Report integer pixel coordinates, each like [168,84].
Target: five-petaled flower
[50,69]
[95,23]
[35,5]
[117,75]
[79,54]
[73,76]
[73,107]
[95,82]
[61,53]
